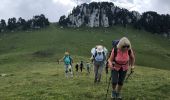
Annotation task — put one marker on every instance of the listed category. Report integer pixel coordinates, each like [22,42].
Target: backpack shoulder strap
[104,56]
[115,53]
[129,52]
[103,53]
[64,57]
[95,54]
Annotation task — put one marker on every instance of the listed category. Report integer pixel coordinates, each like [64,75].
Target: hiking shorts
[118,77]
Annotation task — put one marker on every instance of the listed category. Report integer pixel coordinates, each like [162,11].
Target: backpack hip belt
[121,64]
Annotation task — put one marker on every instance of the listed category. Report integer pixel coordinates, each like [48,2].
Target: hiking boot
[95,80]
[98,80]
[66,75]
[119,97]
[113,95]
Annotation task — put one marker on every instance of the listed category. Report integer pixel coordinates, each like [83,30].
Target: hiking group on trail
[68,65]
[118,61]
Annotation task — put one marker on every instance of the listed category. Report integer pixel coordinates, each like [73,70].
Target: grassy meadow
[29,70]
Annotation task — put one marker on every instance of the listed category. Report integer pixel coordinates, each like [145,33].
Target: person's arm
[61,59]
[71,59]
[132,59]
[110,60]
[92,59]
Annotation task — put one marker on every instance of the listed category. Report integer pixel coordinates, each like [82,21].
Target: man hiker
[99,58]
[120,59]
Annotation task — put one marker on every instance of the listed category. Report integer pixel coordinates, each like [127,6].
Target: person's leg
[81,68]
[76,71]
[100,71]
[95,72]
[122,75]
[88,70]
[114,76]
[66,70]
[71,70]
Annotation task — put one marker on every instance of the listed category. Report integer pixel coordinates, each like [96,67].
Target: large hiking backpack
[99,53]
[114,43]
[100,57]
[67,60]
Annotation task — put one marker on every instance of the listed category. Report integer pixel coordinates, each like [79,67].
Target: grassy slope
[37,76]
[46,81]
[151,50]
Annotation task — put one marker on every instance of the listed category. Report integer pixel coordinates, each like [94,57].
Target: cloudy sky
[53,9]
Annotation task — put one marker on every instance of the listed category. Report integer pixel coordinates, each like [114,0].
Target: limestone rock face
[101,14]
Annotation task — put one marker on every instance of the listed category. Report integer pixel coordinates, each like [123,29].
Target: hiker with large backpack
[121,58]
[68,64]
[99,59]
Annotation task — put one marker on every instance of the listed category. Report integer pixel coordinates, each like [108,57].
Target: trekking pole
[106,69]
[106,77]
[108,86]
[131,72]
[106,73]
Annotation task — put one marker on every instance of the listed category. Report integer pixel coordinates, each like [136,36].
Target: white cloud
[65,2]
[100,0]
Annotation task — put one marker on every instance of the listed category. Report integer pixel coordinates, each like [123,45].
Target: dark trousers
[81,68]
[118,77]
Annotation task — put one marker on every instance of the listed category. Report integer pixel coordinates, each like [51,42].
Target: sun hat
[99,48]
[66,53]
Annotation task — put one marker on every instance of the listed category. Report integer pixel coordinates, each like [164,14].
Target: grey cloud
[160,6]
[50,9]
[28,8]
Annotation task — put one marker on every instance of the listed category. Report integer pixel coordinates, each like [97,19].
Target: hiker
[120,59]
[68,64]
[99,58]
[88,67]
[81,66]
[77,68]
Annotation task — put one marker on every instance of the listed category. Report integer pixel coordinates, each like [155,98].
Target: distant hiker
[81,66]
[77,68]
[99,58]
[120,59]
[88,67]
[68,64]
[58,61]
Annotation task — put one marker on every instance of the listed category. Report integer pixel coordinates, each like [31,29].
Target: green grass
[50,43]
[29,60]
[46,81]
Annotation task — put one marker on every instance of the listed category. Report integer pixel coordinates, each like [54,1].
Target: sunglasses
[125,46]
